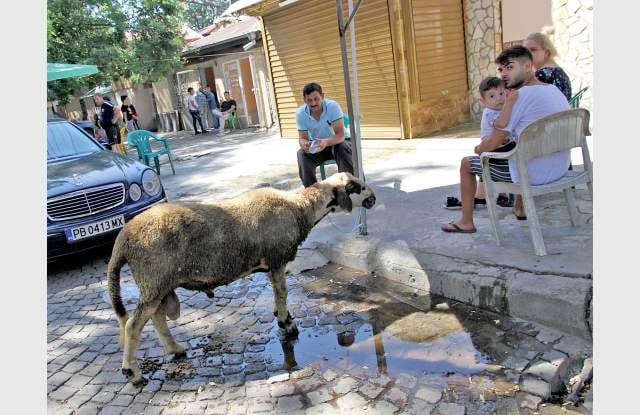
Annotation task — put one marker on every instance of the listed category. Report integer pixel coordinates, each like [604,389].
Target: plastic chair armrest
[495,155]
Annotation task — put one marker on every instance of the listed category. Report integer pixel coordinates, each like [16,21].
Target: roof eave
[225,44]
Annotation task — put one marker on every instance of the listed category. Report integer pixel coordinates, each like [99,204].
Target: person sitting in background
[322,120]
[535,100]
[228,103]
[547,70]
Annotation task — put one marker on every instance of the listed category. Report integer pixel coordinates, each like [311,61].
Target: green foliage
[156,39]
[201,13]
[137,39]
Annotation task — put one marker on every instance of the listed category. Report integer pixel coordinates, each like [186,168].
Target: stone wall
[573,38]
[483,38]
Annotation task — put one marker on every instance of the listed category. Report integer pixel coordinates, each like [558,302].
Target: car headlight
[151,182]
[135,192]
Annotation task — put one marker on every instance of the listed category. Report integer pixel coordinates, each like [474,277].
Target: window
[65,140]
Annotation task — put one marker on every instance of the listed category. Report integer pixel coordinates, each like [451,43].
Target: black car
[91,191]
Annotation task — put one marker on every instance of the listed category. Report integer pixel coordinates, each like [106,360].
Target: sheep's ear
[340,198]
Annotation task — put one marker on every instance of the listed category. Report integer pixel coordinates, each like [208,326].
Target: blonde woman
[547,70]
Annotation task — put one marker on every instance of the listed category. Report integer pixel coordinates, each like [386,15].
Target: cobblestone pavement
[362,349]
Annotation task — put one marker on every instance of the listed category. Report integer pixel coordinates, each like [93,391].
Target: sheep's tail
[113,280]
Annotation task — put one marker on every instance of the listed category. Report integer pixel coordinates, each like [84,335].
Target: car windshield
[65,140]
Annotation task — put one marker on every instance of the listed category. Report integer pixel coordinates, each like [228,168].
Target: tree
[137,39]
[156,39]
[201,13]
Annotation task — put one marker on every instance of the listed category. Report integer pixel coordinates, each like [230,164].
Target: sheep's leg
[159,318]
[133,328]
[285,322]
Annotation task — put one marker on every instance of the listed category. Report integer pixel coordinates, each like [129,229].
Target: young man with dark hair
[130,114]
[109,116]
[320,120]
[194,110]
[535,100]
[228,103]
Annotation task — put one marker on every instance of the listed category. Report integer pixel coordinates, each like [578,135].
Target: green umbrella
[67,70]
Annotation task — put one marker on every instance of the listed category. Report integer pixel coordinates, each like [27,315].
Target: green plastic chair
[231,121]
[141,140]
[574,102]
[347,136]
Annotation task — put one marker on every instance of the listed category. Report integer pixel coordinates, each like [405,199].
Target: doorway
[239,82]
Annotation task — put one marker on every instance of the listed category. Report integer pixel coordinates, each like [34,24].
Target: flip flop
[453,203]
[457,229]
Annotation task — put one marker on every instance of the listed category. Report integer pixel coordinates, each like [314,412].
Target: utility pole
[353,116]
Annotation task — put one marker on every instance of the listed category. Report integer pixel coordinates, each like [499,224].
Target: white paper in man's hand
[314,146]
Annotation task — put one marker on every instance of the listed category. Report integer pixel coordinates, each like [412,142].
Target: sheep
[202,246]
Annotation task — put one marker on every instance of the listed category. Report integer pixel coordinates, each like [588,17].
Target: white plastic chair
[557,132]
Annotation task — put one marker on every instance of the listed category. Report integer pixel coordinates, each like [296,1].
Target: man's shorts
[113,135]
[498,168]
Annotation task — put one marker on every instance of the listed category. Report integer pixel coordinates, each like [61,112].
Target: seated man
[535,100]
[323,120]
[228,104]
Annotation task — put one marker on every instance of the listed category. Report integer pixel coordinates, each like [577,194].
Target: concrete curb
[556,301]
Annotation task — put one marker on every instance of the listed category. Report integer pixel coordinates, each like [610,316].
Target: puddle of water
[418,343]
[381,353]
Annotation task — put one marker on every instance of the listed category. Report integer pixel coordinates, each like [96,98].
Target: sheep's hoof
[180,355]
[289,333]
[129,374]
[292,331]
[140,382]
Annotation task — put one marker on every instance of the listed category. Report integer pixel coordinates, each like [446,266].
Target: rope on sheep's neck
[323,215]
[324,206]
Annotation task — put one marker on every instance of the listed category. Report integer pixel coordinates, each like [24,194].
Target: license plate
[95,228]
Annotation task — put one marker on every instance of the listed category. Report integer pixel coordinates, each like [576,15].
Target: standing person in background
[203,106]
[129,113]
[547,70]
[194,110]
[109,116]
[214,104]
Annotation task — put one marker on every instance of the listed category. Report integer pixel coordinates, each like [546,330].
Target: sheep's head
[349,192]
